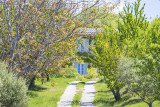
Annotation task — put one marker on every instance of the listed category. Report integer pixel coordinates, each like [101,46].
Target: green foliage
[104,17]
[84,56]
[92,73]
[132,29]
[68,73]
[142,84]
[12,89]
[107,51]
[126,70]
[140,41]
[136,40]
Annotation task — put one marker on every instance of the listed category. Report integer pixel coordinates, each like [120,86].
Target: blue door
[81,69]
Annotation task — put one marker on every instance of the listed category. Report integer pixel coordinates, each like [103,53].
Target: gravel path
[88,95]
[67,97]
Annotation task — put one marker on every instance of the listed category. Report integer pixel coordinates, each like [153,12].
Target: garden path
[88,95]
[67,98]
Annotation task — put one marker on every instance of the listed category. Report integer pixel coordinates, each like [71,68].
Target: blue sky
[152,7]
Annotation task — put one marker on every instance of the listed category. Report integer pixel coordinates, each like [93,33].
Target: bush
[69,72]
[57,75]
[92,73]
[12,90]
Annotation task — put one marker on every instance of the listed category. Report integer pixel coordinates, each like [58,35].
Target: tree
[132,28]
[141,43]
[106,52]
[138,41]
[37,36]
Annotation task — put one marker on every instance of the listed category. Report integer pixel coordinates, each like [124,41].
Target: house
[85,38]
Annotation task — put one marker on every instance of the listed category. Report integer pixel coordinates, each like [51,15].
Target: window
[81,69]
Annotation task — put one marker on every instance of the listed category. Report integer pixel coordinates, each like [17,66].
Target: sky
[152,7]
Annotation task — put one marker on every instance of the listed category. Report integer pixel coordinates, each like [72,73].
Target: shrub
[92,73]
[69,73]
[12,90]
[57,75]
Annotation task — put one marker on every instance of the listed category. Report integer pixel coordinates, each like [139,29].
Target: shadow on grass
[82,82]
[112,102]
[32,94]
[104,91]
[105,103]
[106,100]
[130,102]
[37,88]
[101,81]
[75,102]
[125,98]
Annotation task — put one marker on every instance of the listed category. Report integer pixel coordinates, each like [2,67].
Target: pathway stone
[67,98]
[88,95]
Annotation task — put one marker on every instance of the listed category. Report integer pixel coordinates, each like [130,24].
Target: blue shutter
[85,68]
[76,66]
[86,43]
[82,65]
[79,68]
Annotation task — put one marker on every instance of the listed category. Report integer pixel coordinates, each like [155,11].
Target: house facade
[85,38]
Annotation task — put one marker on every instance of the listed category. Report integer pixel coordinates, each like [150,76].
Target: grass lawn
[77,97]
[105,98]
[47,96]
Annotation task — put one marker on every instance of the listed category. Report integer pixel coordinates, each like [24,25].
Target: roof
[87,31]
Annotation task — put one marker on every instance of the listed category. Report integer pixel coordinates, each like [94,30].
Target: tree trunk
[150,104]
[47,77]
[116,94]
[42,82]
[32,83]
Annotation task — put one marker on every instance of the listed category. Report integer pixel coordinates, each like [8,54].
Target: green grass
[105,98]
[77,97]
[47,96]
